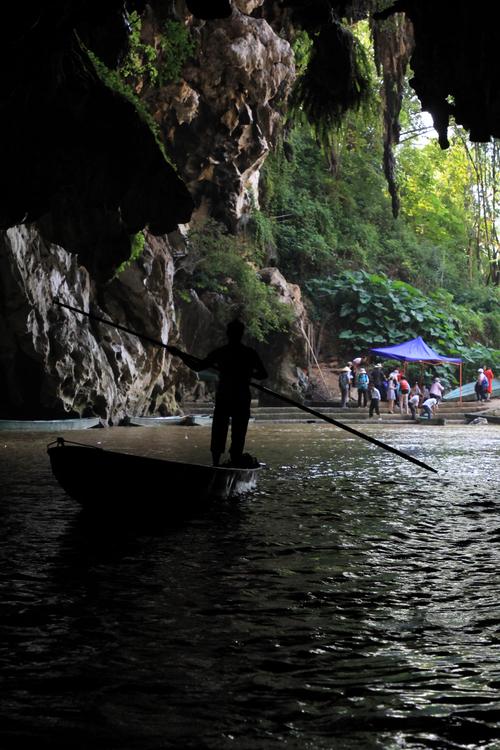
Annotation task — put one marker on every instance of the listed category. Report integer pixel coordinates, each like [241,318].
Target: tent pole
[460,384]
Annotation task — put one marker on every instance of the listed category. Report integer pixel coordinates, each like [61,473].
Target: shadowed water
[352,602]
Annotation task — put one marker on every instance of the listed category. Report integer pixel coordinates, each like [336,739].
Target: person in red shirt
[404,391]
[489,374]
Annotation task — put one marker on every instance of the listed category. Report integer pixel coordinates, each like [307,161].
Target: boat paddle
[258,386]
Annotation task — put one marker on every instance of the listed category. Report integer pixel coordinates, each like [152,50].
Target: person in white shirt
[375,400]
[413,402]
[428,407]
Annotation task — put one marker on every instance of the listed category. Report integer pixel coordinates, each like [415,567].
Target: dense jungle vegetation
[373,279]
[369,278]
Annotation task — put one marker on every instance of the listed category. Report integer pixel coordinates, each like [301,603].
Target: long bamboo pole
[262,388]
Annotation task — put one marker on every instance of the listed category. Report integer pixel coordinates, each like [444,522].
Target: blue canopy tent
[416,350]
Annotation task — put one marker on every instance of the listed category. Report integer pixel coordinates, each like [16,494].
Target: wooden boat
[188,420]
[49,425]
[469,393]
[104,480]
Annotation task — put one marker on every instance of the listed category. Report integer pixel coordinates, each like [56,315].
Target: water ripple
[352,602]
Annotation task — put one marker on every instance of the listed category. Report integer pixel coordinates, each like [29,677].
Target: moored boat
[468,392]
[49,425]
[109,481]
[187,420]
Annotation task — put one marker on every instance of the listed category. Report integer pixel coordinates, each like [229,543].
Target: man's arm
[194,363]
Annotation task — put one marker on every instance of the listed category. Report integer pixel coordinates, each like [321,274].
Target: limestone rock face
[286,354]
[230,97]
[247,6]
[54,363]
[219,121]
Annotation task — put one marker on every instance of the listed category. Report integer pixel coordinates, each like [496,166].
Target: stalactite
[393,44]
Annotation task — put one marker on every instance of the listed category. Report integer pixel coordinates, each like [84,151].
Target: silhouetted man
[236,364]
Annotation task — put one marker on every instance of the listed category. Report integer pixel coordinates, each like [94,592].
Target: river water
[352,602]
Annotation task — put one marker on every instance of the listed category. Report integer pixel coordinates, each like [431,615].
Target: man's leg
[220,425]
[239,425]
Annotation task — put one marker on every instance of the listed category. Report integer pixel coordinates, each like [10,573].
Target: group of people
[236,364]
[393,388]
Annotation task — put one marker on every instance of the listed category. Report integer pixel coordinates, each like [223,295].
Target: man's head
[234,331]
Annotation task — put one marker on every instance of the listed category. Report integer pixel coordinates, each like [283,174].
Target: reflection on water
[352,602]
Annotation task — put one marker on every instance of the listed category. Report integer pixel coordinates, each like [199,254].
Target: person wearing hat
[481,386]
[362,385]
[377,377]
[436,391]
[344,384]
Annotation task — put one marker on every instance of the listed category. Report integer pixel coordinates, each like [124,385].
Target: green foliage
[474,356]
[224,266]
[370,309]
[114,81]
[367,310]
[336,76]
[159,65]
[176,46]
[332,215]
[137,243]
[144,63]
[492,327]
[140,62]
[262,229]
[301,47]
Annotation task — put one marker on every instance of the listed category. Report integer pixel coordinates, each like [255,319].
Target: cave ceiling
[456,63]
[78,158]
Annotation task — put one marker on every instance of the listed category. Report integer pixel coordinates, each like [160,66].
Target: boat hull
[49,425]
[468,392]
[102,480]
